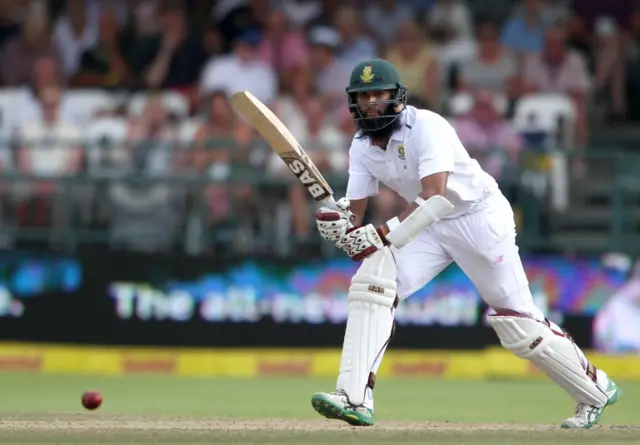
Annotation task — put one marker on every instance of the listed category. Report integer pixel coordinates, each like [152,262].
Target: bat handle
[329,202]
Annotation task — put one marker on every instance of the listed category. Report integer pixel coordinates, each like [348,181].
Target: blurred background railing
[147,196]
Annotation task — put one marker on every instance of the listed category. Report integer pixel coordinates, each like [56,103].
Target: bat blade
[284,144]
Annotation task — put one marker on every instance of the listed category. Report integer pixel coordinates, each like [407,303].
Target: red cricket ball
[91,399]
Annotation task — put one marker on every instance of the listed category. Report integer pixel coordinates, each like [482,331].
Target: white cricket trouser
[482,243]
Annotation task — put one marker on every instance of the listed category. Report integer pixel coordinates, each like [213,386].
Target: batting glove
[334,223]
[362,242]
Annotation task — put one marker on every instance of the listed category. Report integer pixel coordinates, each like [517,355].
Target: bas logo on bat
[300,167]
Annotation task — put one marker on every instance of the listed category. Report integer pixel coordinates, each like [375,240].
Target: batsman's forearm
[425,195]
[400,233]
[358,207]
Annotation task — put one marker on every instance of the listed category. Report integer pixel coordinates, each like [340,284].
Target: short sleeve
[510,65]
[209,81]
[578,74]
[436,140]
[362,184]
[508,35]
[532,71]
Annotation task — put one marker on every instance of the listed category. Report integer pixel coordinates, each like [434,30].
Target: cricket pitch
[85,429]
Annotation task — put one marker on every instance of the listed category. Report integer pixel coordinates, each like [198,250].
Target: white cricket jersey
[425,144]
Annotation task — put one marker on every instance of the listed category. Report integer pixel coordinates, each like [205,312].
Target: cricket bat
[284,144]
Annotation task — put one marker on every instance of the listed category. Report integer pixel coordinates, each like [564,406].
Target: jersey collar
[399,134]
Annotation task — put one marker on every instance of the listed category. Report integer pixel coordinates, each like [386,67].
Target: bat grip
[330,202]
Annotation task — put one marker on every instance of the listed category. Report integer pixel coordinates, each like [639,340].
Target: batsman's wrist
[382,232]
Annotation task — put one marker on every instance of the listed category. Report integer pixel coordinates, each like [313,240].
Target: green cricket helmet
[376,75]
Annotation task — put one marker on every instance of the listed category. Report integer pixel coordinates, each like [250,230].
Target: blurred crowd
[180,60]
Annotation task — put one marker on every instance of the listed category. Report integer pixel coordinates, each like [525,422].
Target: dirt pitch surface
[122,430]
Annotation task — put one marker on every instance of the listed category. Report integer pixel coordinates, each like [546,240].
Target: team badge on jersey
[367,74]
[401,154]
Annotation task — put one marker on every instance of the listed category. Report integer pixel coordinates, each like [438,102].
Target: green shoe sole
[617,392]
[327,408]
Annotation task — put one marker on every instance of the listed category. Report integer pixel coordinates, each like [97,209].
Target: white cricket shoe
[587,416]
[334,405]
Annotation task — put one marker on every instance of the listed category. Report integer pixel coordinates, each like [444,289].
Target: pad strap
[553,352]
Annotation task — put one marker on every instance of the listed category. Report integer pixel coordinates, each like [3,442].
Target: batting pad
[371,300]
[552,351]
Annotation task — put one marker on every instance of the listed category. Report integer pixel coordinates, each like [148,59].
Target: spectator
[488,136]
[51,143]
[580,39]
[224,146]
[554,11]
[234,17]
[51,147]
[300,12]
[241,70]
[142,28]
[8,25]
[46,75]
[603,36]
[421,7]
[384,19]
[146,215]
[523,33]
[319,135]
[146,20]
[355,45]
[123,10]
[104,65]
[172,58]
[248,157]
[322,137]
[561,70]
[213,44]
[22,51]
[283,48]
[451,29]
[290,106]
[152,140]
[75,32]
[451,18]
[212,154]
[330,77]
[492,68]
[412,54]
[213,140]
[326,148]
[633,49]
[633,66]
[328,14]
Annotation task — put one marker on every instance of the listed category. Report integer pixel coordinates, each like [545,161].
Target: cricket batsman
[455,212]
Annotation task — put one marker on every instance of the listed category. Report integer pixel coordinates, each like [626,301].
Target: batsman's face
[373,103]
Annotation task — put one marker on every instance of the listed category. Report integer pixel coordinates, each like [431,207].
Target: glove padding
[334,223]
[361,242]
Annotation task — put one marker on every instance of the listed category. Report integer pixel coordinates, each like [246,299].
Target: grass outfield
[45,409]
